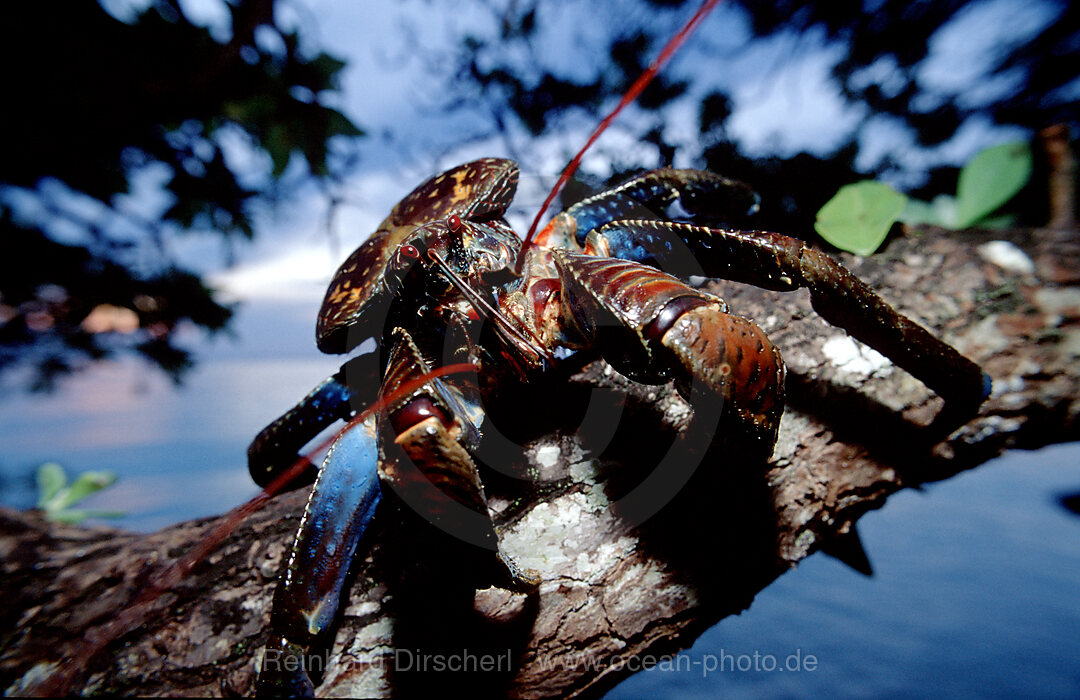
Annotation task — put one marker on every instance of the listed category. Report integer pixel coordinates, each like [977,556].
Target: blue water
[976,593]
[976,589]
[179,452]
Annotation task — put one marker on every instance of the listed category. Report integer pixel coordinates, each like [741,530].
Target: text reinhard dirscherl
[465,661]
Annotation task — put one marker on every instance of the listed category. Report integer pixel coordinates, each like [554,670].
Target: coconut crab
[445,280]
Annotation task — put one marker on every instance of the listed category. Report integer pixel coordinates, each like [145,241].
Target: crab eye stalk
[454,223]
[403,260]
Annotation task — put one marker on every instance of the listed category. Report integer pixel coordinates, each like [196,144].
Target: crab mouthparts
[517,336]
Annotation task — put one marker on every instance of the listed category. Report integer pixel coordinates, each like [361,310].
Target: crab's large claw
[339,510]
[351,311]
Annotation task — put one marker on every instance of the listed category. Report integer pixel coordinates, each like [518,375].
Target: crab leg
[699,195]
[653,327]
[436,475]
[778,262]
[278,446]
[427,465]
[339,510]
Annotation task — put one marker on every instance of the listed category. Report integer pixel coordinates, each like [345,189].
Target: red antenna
[632,94]
[98,638]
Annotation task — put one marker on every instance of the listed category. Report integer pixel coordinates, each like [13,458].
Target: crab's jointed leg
[653,327]
[435,474]
[694,195]
[342,504]
[777,262]
[425,462]
[277,447]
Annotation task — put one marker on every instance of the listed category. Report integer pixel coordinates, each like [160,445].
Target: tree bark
[619,581]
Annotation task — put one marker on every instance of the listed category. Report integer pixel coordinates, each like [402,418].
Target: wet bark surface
[646,530]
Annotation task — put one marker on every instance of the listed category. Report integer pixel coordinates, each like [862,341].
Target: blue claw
[278,446]
[341,506]
[679,195]
[340,509]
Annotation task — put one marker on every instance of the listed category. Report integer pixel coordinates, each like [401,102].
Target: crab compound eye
[409,251]
[454,223]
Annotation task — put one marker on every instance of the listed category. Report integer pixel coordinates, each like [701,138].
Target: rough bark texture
[616,583]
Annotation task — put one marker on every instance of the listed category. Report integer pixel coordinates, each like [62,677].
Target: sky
[781,107]
[398,56]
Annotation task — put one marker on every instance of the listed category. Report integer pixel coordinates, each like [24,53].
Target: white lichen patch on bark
[37,675]
[1007,256]
[557,538]
[1058,301]
[362,608]
[360,668]
[983,339]
[851,356]
[548,455]
[1071,343]
[792,426]
[641,586]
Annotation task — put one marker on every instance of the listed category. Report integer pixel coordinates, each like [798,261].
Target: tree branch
[616,583]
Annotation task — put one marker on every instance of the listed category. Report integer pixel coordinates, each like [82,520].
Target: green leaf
[997,221]
[337,124]
[917,212]
[940,212]
[50,479]
[859,216]
[327,67]
[279,145]
[74,516]
[990,179]
[88,483]
[65,497]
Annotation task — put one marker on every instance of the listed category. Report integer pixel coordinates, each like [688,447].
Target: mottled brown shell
[476,191]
